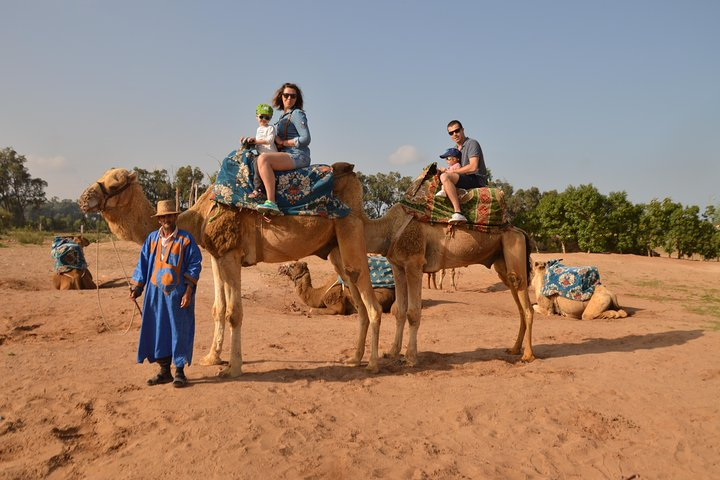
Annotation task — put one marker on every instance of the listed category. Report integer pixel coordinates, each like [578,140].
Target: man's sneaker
[441,193]
[269,207]
[457,218]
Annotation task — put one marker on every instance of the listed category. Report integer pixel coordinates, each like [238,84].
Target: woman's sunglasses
[289,95]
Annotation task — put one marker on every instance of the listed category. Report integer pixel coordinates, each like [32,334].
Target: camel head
[80,240]
[538,268]
[105,192]
[294,270]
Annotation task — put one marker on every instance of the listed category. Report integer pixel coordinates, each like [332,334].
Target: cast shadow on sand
[433,361]
[495,287]
[114,283]
[629,343]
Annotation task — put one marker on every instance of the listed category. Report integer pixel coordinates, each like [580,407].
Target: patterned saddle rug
[483,207]
[304,191]
[381,275]
[575,283]
[67,254]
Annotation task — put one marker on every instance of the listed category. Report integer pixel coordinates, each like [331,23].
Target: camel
[432,279]
[602,304]
[415,247]
[74,278]
[331,298]
[241,237]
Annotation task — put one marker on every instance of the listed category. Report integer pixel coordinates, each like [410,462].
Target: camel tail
[528,261]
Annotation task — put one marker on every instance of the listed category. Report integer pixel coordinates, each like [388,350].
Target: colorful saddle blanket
[381,275]
[67,254]
[575,283]
[304,191]
[483,207]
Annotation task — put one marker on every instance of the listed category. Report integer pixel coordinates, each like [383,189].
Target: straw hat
[166,207]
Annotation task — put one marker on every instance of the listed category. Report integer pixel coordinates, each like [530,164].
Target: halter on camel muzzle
[108,195]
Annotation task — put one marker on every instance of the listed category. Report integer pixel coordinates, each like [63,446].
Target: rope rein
[97,284]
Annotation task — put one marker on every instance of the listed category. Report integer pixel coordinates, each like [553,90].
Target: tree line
[578,219]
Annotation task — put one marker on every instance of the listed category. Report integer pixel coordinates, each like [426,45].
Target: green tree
[655,224]
[17,188]
[187,180]
[156,184]
[552,215]
[624,224]
[587,214]
[381,191]
[684,233]
[522,211]
[56,215]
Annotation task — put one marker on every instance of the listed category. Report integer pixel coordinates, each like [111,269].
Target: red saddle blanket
[483,207]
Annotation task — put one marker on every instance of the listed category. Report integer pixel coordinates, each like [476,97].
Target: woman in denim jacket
[292,138]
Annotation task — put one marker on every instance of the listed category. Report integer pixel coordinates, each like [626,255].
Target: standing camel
[414,247]
[237,238]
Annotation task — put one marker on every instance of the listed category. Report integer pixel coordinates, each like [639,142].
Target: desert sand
[632,398]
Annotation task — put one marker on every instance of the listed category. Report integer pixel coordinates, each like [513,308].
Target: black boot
[164,376]
[180,379]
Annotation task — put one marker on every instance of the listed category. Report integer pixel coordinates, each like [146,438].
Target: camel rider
[471,174]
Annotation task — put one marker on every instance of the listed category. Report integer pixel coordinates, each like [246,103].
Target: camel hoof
[210,359]
[527,358]
[391,354]
[410,361]
[512,351]
[354,362]
[230,372]
[372,368]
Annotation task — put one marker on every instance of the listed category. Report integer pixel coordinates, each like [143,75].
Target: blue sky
[623,95]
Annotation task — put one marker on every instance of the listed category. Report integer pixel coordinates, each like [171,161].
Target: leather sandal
[160,378]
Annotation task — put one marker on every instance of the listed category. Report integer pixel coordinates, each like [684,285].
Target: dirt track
[605,399]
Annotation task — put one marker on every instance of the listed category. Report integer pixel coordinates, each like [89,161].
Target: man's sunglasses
[289,95]
[453,132]
[264,117]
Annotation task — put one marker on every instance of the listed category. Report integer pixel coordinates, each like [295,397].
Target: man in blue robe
[168,269]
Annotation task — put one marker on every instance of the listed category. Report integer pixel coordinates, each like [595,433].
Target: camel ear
[132,177]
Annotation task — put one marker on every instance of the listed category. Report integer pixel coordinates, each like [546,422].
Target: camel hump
[342,168]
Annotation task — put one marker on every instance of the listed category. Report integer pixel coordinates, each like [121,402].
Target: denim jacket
[293,125]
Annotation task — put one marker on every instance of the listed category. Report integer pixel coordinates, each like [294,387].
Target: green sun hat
[264,109]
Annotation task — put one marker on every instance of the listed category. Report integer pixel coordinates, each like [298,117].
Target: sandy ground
[607,399]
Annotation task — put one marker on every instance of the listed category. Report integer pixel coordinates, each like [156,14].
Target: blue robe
[164,272]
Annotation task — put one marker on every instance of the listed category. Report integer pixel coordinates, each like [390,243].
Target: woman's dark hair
[453,122]
[277,98]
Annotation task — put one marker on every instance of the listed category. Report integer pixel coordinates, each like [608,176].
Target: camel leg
[414,293]
[369,308]
[363,318]
[601,306]
[230,274]
[218,314]
[518,285]
[401,305]
[442,278]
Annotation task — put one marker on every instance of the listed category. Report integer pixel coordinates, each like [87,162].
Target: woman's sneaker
[457,218]
[441,193]
[269,207]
